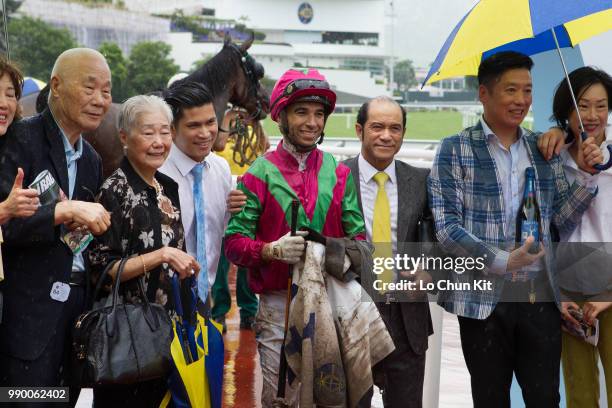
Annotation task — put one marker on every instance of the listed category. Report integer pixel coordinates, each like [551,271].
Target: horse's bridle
[254,71]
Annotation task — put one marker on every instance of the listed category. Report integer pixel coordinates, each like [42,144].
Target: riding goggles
[300,85]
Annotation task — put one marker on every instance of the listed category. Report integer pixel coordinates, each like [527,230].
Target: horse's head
[248,92]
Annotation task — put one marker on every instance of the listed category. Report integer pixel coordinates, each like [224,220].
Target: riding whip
[280,401]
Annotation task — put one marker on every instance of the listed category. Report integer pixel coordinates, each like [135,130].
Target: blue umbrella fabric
[519,25]
[198,356]
[31,85]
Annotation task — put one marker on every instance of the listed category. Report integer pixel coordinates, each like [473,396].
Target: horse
[232,75]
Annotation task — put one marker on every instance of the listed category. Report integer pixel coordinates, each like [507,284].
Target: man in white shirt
[204,179]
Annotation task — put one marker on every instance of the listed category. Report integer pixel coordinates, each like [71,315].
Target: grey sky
[422,26]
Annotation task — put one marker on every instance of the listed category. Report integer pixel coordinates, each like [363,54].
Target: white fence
[415,106]
[470,116]
[470,111]
[415,157]
[418,153]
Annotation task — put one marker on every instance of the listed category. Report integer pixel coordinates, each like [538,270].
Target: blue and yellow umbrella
[526,26]
[519,25]
[197,353]
[31,85]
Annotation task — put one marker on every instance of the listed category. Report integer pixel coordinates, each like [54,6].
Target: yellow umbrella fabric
[495,23]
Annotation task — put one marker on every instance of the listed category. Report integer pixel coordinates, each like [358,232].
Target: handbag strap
[150,317]
[106,272]
[111,321]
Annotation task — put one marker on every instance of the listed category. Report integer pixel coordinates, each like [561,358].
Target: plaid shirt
[467,204]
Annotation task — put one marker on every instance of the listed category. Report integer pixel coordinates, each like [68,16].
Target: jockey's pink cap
[301,85]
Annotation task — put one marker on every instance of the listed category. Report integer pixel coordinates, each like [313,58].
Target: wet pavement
[241,386]
[242,379]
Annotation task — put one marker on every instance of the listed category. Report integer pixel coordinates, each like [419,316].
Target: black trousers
[401,374]
[53,367]
[519,338]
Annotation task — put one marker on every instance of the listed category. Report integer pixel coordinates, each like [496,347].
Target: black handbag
[123,343]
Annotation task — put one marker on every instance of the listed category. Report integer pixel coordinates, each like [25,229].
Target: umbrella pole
[583,135]
[5,24]
[569,83]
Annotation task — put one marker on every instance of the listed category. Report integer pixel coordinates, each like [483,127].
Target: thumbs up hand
[20,202]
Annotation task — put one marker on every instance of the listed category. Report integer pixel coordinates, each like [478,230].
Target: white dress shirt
[511,164]
[369,190]
[216,185]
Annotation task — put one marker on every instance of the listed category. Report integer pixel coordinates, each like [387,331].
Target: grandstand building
[91,26]
[331,35]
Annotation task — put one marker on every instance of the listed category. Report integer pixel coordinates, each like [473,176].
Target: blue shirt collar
[72,153]
[69,150]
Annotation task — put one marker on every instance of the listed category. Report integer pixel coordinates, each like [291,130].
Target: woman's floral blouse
[142,220]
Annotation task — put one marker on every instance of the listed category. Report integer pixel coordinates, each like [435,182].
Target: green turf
[432,125]
[420,125]
[428,125]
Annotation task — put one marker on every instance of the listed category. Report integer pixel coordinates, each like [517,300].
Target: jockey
[259,236]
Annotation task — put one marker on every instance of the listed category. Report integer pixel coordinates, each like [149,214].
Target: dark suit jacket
[412,203]
[34,256]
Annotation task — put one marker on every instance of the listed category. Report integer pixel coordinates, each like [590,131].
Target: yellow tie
[381,225]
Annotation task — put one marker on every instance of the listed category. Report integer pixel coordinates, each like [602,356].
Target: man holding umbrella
[259,236]
[475,186]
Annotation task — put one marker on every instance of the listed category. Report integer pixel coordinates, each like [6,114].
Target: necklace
[163,202]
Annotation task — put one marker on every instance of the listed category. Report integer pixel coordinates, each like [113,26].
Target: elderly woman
[20,202]
[587,288]
[146,224]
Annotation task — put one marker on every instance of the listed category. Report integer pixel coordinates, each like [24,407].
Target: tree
[150,66]
[35,45]
[119,71]
[403,74]
[199,63]
[193,24]
[268,83]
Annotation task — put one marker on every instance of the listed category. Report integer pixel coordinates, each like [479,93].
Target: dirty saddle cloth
[335,335]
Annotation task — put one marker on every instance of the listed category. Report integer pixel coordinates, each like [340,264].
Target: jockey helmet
[304,86]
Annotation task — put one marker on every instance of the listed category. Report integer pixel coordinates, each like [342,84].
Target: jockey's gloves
[288,249]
